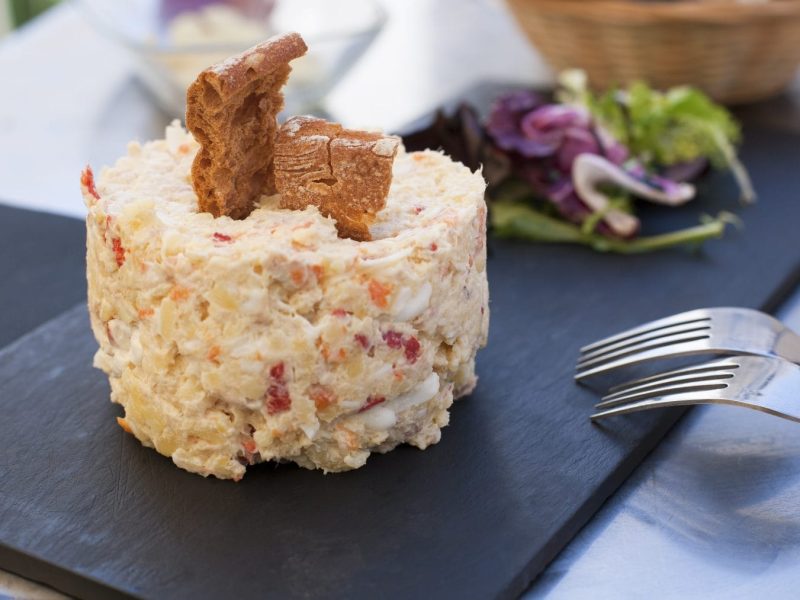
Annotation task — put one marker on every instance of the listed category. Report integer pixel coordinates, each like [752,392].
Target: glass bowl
[173,40]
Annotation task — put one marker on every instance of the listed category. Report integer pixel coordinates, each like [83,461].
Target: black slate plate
[41,262]
[85,508]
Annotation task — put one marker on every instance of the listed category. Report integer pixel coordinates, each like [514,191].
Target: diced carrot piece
[322,396]
[213,354]
[379,292]
[298,276]
[179,293]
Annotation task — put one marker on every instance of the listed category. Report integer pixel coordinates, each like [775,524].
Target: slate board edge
[67,582]
[35,568]
[612,483]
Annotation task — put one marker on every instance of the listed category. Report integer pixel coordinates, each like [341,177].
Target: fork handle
[787,345]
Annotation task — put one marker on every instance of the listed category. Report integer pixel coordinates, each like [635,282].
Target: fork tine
[649,336]
[680,399]
[672,388]
[670,340]
[716,375]
[695,346]
[724,363]
[681,318]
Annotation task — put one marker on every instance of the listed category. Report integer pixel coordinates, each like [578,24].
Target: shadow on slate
[520,469]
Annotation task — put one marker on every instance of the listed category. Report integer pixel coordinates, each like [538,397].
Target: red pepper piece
[278,399]
[413,349]
[393,339]
[87,180]
[372,401]
[119,251]
[277,371]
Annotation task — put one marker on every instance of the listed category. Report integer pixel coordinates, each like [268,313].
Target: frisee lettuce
[663,128]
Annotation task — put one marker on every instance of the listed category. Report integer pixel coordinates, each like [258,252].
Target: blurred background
[18,12]
[90,75]
[87,76]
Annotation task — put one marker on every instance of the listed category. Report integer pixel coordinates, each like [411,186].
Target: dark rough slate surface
[520,469]
[41,258]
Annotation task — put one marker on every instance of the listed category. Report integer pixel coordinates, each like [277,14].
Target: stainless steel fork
[764,383]
[720,331]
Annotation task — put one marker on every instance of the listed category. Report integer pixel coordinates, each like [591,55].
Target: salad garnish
[573,169]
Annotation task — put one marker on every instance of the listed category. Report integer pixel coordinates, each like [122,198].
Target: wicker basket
[736,52]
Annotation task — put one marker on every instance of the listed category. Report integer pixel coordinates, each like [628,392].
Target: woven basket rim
[621,12]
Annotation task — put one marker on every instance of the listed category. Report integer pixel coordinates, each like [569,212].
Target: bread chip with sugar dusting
[344,173]
[230,110]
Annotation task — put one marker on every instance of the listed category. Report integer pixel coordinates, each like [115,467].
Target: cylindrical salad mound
[231,342]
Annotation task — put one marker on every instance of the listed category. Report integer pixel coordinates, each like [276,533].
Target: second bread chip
[344,173]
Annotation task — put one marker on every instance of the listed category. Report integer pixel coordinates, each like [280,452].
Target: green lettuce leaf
[520,220]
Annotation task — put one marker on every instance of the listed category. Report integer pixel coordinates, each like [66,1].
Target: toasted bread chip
[345,173]
[230,110]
